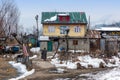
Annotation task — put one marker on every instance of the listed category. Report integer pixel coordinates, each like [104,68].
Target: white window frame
[63,28]
[77,29]
[51,29]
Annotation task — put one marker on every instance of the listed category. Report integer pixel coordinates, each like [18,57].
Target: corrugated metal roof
[75,17]
[108,29]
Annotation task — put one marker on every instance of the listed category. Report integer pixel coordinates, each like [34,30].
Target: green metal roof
[75,17]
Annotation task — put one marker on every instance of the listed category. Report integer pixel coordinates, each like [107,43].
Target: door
[102,44]
[49,46]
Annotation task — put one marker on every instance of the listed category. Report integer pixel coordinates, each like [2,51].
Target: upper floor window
[63,29]
[77,28]
[51,29]
[64,17]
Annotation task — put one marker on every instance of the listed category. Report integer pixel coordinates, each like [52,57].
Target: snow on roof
[65,14]
[43,38]
[108,29]
[53,18]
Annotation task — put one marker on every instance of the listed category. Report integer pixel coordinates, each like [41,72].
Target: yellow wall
[71,32]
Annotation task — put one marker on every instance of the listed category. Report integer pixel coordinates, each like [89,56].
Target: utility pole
[36,18]
[89,23]
[67,32]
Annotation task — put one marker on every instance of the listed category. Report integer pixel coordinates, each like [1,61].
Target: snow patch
[35,50]
[34,56]
[22,69]
[87,60]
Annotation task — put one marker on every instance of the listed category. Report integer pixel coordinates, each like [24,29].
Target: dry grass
[6,70]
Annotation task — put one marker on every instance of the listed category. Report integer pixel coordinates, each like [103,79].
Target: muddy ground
[6,70]
[45,74]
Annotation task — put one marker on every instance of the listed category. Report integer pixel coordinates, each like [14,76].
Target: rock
[113,62]
[106,60]
[101,65]
[75,60]
[79,66]
[90,66]
[61,62]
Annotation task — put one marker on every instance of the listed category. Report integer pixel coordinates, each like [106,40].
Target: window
[51,29]
[77,28]
[75,42]
[64,17]
[63,29]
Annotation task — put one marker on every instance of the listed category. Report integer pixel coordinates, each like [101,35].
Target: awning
[43,38]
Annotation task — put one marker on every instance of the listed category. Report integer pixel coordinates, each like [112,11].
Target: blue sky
[100,11]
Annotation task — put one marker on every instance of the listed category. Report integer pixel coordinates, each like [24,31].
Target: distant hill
[108,25]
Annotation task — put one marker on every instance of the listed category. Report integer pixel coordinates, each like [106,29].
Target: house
[64,26]
[94,41]
[110,41]
[31,39]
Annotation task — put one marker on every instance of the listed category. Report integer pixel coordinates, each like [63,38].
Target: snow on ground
[21,68]
[73,51]
[14,56]
[34,56]
[113,74]
[67,64]
[85,61]
[35,50]
[117,62]
[58,70]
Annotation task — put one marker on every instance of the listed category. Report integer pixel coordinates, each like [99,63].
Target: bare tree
[34,30]
[9,17]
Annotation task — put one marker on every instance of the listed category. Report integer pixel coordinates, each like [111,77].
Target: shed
[44,43]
